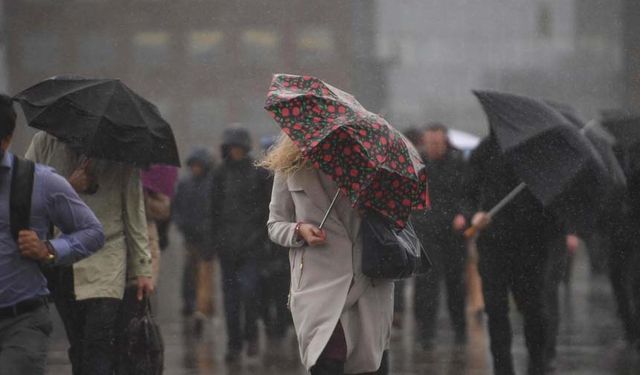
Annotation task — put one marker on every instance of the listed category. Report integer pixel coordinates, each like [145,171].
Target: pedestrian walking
[88,295]
[513,256]
[440,230]
[191,212]
[327,194]
[342,318]
[274,277]
[239,201]
[32,199]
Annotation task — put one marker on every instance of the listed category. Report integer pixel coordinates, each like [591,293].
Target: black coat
[446,178]
[490,178]
[240,209]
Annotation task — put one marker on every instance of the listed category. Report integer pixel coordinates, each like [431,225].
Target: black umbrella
[625,127]
[101,118]
[555,162]
[600,138]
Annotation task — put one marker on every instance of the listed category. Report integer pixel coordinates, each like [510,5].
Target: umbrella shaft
[507,199]
[326,215]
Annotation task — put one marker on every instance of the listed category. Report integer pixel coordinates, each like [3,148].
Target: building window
[206,46]
[151,48]
[315,43]
[96,51]
[260,46]
[41,51]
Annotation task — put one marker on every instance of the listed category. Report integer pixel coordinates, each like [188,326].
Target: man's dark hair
[436,127]
[414,135]
[7,116]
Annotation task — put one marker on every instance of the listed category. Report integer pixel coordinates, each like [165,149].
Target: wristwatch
[51,256]
[296,232]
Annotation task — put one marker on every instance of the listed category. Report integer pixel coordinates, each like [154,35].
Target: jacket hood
[200,155]
[236,137]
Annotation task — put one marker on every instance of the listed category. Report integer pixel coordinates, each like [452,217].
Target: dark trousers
[557,271]
[241,304]
[90,327]
[334,355]
[24,342]
[624,263]
[517,266]
[448,257]
[274,291]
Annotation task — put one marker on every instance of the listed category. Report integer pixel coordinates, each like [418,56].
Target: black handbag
[144,344]
[389,253]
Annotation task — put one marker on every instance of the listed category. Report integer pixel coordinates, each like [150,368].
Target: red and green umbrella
[371,162]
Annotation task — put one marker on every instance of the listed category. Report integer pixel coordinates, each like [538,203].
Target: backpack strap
[22,175]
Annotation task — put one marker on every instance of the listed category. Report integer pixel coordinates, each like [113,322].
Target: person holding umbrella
[531,181]
[97,133]
[324,181]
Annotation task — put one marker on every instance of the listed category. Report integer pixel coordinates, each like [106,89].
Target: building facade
[206,64]
[565,50]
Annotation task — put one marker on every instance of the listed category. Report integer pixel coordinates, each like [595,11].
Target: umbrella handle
[326,215]
[473,230]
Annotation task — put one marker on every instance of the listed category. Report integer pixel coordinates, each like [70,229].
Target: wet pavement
[590,340]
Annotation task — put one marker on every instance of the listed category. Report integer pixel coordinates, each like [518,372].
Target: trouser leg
[24,343]
[232,304]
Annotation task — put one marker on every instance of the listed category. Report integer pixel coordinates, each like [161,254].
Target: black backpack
[22,174]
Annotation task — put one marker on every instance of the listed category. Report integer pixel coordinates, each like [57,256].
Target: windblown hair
[283,157]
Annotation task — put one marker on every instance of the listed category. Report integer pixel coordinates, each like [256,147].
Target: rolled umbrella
[100,118]
[556,163]
[371,162]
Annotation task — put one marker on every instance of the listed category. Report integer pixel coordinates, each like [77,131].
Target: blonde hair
[284,157]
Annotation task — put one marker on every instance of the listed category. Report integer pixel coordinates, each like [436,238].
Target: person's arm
[281,224]
[135,221]
[82,233]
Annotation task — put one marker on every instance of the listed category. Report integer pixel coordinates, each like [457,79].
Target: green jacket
[119,205]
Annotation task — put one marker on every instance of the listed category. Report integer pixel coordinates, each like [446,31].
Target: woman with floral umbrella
[332,149]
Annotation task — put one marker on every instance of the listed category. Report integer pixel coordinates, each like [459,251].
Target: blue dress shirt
[53,202]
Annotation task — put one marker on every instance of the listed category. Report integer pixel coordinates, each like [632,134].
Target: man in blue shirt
[25,325]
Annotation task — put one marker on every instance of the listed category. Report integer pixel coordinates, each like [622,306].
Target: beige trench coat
[119,205]
[327,283]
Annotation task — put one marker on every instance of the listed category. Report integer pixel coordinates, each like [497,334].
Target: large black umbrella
[556,163]
[101,118]
[625,127]
[600,138]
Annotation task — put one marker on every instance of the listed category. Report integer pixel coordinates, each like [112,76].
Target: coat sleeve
[135,221]
[281,224]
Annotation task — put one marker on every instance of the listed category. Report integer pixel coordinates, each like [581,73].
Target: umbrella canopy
[599,138]
[101,118]
[371,162]
[559,165]
[160,179]
[624,127]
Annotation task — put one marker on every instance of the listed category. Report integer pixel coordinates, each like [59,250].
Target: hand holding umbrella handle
[473,230]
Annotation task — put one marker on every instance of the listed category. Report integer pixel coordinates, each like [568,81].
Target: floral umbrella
[371,162]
